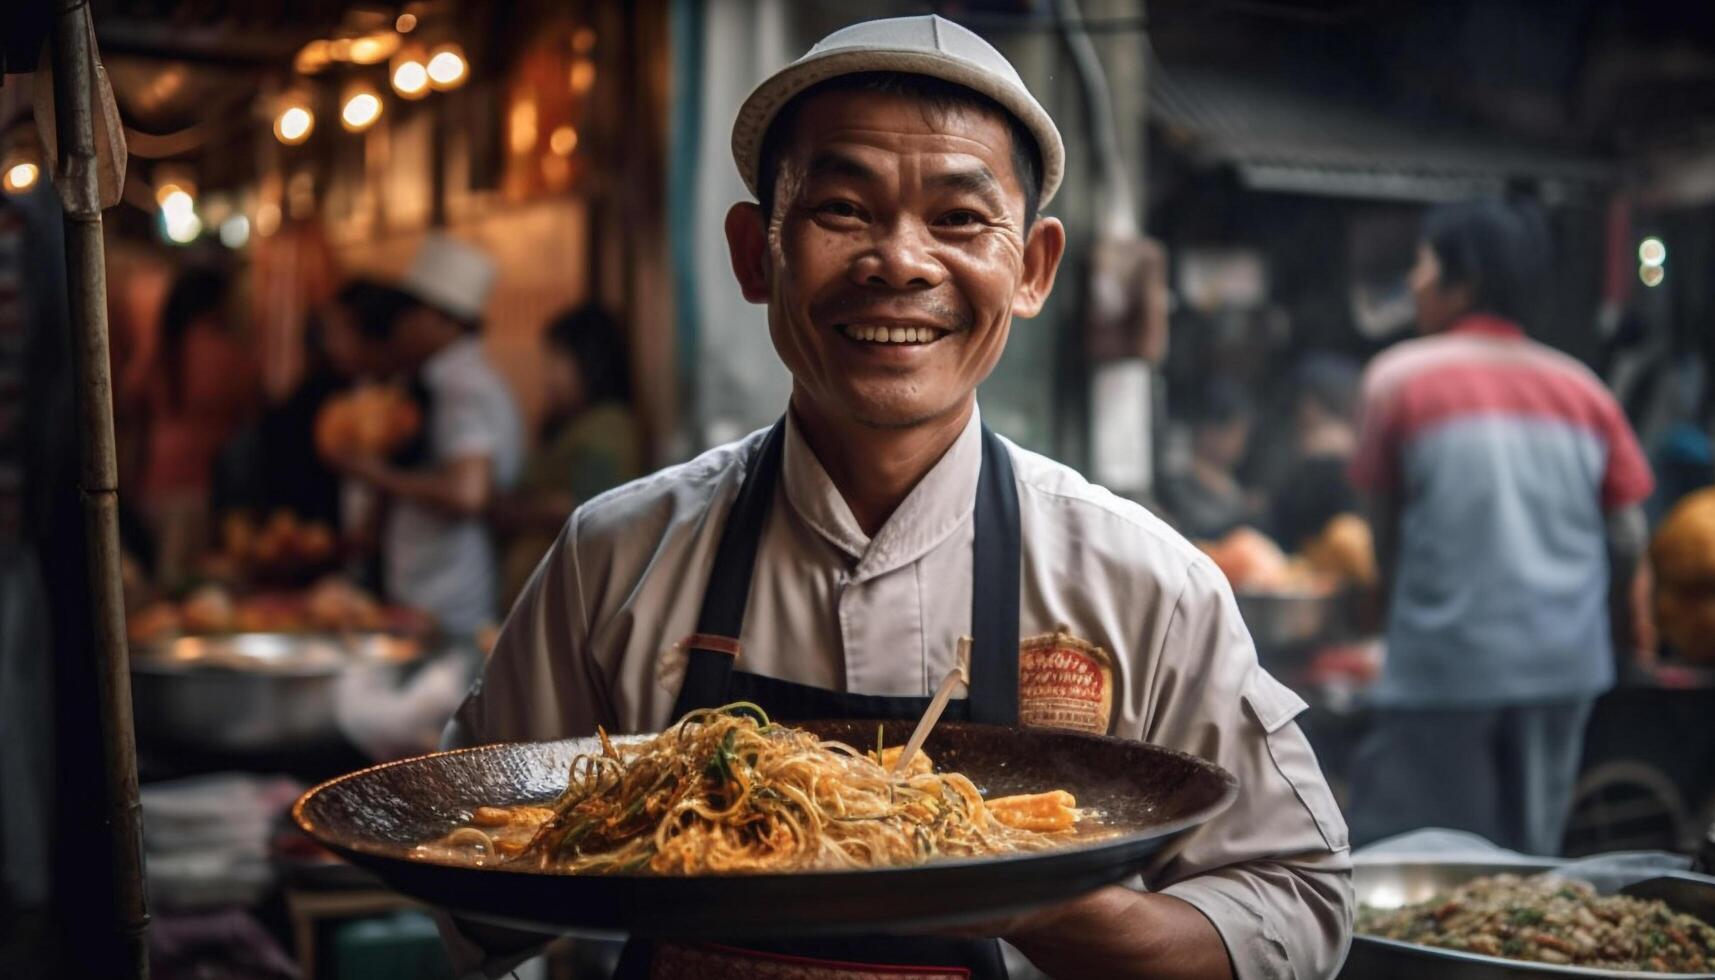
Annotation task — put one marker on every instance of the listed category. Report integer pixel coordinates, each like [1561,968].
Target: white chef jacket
[595,638]
[435,561]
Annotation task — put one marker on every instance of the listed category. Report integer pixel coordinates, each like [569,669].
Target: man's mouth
[883,333]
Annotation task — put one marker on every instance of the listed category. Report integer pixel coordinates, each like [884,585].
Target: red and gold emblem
[1065,682]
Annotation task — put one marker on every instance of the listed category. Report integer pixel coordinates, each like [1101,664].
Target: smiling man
[829,566]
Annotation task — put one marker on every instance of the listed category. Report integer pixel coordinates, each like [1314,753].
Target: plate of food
[1524,920]
[730,825]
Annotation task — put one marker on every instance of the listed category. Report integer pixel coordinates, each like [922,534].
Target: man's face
[419,333]
[896,256]
[1437,304]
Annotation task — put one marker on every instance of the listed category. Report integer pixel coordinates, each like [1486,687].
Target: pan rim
[1229,793]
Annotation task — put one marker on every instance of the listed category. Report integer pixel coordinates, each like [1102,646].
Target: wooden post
[98,471]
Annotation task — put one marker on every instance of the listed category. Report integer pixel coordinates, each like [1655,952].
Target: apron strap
[994,589]
[708,657]
[710,652]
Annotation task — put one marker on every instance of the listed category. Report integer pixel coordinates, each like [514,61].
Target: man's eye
[838,209]
[960,219]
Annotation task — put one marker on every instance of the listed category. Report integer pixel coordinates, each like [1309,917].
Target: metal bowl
[1392,883]
[254,692]
[1292,620]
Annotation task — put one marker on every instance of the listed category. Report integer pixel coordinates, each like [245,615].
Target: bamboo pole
[98,471]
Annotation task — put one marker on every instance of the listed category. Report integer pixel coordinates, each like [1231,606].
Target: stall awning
[1278,139]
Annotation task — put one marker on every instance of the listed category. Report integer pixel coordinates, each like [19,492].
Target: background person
[590,439]
[1207,500]
[1505,485]
[203,389]
[437,552]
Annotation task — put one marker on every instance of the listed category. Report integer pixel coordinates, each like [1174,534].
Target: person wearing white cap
[437,552]
[830,565]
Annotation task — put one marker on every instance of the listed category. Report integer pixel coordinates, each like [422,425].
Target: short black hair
[375,306]
[1220,403]
[593,337]
[1331,381]
[196,292]
[937,94]
[1498,248]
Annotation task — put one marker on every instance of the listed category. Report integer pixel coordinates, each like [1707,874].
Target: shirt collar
[1487,325]
[940,502]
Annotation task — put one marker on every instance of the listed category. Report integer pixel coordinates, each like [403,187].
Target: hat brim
[765,103]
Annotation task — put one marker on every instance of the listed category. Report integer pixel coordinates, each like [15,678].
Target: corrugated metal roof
[1279,139]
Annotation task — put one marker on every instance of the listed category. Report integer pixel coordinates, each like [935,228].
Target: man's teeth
[890,335]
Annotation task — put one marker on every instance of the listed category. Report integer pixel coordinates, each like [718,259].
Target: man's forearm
[460,488]
[1117,932]
[1627,538]
[1384,530]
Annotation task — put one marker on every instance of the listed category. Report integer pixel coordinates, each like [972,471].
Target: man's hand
[461,488]
[372,470]
[1114,932]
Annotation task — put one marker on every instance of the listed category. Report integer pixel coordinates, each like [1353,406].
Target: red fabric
[1429,385]
[218,385]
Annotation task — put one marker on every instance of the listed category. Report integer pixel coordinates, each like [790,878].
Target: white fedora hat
[927,45]
[451,276]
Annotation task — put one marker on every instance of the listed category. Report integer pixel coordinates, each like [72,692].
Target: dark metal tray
[1389,883]
[1145,794]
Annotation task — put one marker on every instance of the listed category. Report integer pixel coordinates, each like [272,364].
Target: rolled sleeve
[1273,871]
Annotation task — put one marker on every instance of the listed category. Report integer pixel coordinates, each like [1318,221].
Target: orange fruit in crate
[1682,555]
[208,610]
[1345,549]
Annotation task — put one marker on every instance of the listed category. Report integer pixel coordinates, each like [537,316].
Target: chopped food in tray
[1549,919]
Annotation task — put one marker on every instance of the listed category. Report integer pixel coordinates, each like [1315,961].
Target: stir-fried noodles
[725,790]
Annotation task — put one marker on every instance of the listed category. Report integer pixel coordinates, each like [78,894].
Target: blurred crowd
[1500,507]
[399,463]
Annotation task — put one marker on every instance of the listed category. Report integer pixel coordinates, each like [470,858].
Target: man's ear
[1043,249]
[1461,299]
[747,242]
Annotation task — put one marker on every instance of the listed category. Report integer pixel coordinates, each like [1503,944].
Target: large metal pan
[1389,884]
[1146,794]
[254,692]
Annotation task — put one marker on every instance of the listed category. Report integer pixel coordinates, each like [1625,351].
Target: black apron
[710,681]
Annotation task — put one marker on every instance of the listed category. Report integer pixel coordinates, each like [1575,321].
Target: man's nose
[901,257]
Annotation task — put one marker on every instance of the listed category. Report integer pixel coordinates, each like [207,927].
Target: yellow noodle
[725,791]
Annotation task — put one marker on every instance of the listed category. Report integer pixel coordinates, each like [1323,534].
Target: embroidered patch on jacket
[1065,682]
[675,962]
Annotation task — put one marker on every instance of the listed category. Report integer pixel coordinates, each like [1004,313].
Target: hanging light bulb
[372,49]
[447,67]
[563,140]
[295,122]
[410,75]
[21,164]
[582,75]
[362,107]
[20,177]
[235,231]
[179,219]
[312,57]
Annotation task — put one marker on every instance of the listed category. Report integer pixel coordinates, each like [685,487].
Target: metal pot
[1284,621]
[254,692]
